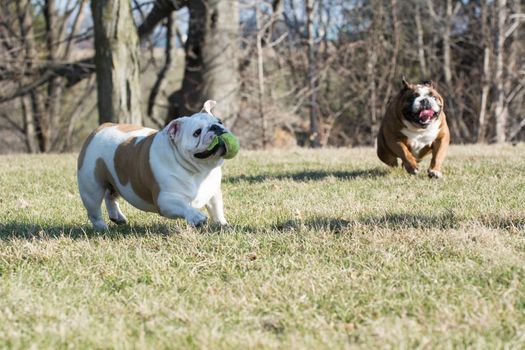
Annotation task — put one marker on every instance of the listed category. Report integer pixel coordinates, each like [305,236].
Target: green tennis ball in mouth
[213,143]
[231,143]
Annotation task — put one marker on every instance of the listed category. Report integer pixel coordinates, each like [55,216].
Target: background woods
[286,72]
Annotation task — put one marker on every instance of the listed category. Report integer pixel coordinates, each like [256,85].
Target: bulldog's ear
[406,84]
[428,83]
[208,105]
[173,127]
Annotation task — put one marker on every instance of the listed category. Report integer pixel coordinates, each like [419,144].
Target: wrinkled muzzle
[214,147]
[424,111]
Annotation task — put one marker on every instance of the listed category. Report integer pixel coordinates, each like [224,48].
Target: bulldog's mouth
[220,147]
[425,116]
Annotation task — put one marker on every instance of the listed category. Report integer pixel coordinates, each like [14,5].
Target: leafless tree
[286,72]
[117,62]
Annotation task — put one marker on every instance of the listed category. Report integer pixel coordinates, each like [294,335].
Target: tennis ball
[230,143]
[213,143]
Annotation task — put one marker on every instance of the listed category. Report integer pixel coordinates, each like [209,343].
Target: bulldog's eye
[197,132]
[220,121]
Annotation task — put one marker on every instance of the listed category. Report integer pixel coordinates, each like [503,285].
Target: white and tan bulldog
[169,172]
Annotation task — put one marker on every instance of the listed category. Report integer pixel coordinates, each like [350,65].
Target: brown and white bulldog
[170,171]
[413,126]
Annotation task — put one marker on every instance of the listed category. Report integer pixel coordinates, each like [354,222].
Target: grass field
[326,249]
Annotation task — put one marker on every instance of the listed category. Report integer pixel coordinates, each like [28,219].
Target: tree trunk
[447,71]
[54,86]
[211,66]
[40,120]
[372,48]
[315,128]
[117,62]
[153,110]
[420,43]
[260,77]
[514,64]
[485,74]
[29,126]
[500,110]
[392,71]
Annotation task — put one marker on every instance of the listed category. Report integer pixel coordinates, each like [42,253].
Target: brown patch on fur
[104,177]
[393,144]
[132,164]
[82,153]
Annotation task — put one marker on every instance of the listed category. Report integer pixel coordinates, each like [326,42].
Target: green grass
[327,249]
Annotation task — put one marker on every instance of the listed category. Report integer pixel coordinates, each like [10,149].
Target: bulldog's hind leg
[114,212]
[384,154]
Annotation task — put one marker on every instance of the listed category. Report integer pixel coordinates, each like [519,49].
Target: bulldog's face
[191,136]
[422,104]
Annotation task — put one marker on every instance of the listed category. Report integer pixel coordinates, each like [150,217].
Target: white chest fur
[174,178]
[420,138]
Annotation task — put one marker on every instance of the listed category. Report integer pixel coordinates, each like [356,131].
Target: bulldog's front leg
[439,151]
[172,207]
[216,209]
[401,150]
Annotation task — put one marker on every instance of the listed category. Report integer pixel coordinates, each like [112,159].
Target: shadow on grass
[511,223]
[443,221]
[11,230]
[309,175]
[390,221]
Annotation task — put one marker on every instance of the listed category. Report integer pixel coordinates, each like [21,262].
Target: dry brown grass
[327,249]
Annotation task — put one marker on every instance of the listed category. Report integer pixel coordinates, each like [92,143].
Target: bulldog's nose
[217,129]
[425,104]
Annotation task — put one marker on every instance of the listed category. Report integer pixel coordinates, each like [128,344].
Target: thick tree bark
[211,67]
[117,62]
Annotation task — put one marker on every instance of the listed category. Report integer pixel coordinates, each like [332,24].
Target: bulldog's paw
[434,174]
[196,218]
[216,226]
[410,169]
[120,220]
[100,226]
[222,224]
